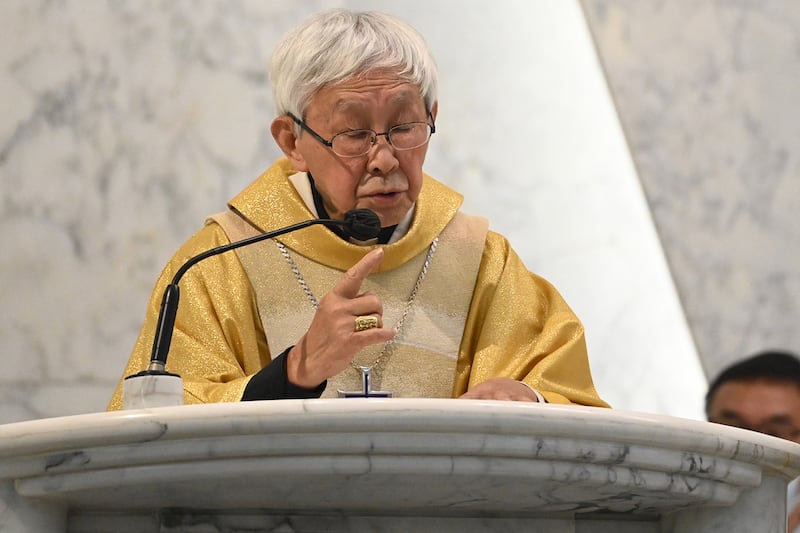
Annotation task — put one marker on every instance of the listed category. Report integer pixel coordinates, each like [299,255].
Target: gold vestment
[517,325]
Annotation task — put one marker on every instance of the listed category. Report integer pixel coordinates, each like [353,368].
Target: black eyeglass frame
[329,143]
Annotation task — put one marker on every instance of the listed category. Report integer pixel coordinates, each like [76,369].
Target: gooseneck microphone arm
[361,224]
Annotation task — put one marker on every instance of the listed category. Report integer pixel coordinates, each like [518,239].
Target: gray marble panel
[707,92]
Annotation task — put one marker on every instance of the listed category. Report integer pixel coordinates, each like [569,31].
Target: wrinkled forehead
[382,89]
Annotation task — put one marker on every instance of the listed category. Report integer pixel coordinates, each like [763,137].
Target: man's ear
[435,110]
[284,134]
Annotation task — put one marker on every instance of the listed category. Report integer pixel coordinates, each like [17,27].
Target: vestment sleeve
[272,383]
[218,343]
[520,327]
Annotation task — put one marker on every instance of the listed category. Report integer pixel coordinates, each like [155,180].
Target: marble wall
[708,95]
[124,124]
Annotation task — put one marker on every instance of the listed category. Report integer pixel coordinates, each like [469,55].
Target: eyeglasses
[356,143]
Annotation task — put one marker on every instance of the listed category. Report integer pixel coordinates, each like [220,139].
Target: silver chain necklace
[409,303]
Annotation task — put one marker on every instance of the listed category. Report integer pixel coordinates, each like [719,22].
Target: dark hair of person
[773,365]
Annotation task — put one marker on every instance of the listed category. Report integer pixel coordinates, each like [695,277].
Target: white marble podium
[389,465]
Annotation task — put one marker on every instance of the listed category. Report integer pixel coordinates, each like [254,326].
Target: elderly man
[761,393]
[436,306]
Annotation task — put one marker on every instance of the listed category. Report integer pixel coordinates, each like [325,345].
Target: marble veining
[707,93]
[400,457]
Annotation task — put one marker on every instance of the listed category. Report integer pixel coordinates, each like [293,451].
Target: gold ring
[366,322]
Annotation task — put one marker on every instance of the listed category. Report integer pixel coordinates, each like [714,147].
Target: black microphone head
[362,224]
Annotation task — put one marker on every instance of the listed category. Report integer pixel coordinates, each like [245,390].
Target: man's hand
[500,389]
[332,341]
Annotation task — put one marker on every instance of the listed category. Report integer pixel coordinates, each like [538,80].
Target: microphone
[360,224]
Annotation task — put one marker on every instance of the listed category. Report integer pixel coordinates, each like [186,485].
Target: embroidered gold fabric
[517,324]
[421,360]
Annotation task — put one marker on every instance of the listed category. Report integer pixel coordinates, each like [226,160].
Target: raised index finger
[349,285]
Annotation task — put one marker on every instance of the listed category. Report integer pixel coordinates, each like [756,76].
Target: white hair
[337,45]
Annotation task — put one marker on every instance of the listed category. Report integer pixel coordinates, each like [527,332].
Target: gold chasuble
[478,314]
[421,361]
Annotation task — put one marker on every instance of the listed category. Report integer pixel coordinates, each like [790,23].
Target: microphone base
[152,389]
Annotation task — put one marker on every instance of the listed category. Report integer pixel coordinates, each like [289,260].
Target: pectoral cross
[366,383]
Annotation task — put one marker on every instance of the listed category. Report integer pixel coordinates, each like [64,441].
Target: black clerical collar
[383,237]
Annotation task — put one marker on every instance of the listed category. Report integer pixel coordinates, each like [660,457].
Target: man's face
[385,180]
[766,406]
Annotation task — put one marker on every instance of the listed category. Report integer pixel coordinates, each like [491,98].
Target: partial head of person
[760,393]
[355,96]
